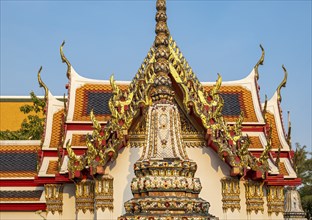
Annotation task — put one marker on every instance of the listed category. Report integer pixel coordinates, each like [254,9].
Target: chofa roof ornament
[65,60]
[260,62]
[282,84]
[43,85]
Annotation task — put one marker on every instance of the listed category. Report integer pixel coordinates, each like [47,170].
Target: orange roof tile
[275,139]
[282,169]
[80,113]
[52,167]
[78,140]
[245,102]
[56,134]
[19,148]
[18,174]
[255,142]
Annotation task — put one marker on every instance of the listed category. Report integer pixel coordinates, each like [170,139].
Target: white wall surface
[210,170]
[20,216]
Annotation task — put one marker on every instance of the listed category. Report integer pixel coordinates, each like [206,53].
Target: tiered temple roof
[100,117]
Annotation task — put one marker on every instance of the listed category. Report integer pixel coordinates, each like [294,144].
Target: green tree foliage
[31,127]
[303,164]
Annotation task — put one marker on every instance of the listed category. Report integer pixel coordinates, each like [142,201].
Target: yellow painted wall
[10,115]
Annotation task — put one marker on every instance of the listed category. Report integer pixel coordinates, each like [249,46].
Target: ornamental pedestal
[293,208]
[164,186]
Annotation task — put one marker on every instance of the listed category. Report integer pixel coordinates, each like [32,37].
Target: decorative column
[230,194]
[254,196]
[104,192]
[85,196]
[275,199]
[54,197]
[293,208]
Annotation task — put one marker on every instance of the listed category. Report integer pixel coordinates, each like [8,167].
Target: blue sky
[105,37]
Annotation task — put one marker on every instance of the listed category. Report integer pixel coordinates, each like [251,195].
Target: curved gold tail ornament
[43,85]
[64,60]
[217,86]
[277,160]
[283,84]
[75,163]
[91,153]
[260,62]
[263,159]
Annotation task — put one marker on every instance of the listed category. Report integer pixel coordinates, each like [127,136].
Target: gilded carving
[254,196]
[75,163]
[265,154]
[282,84]
[104,192]
[260,62]
[85,196]
[54,197]
[275,199]
[43,85]
[65,60]
[208,107]
[230,194]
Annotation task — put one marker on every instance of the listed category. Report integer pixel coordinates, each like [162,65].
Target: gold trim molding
[54,197]
[104,192]
[230,194]
[275,199]
[254,196]
[85,196]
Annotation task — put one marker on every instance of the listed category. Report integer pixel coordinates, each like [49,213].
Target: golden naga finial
[115,88]
[260,62]
[217,86]
[95,123]
[64,60]
[283,84]
[42,84]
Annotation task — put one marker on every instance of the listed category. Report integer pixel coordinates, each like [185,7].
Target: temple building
[163,146]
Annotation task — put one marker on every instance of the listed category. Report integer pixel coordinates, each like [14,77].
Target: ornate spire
[162,83]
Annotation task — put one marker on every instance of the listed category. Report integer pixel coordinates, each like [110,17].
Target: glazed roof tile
[78,140]
[18,162]
[56,134]
[93,96]
[19,148]
[282,169]
[275,139]
[96,97]
[255,142]
[23,195]
[236,99]
[52,167]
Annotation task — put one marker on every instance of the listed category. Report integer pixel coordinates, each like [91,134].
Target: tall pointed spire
[164,184]
[162,83]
